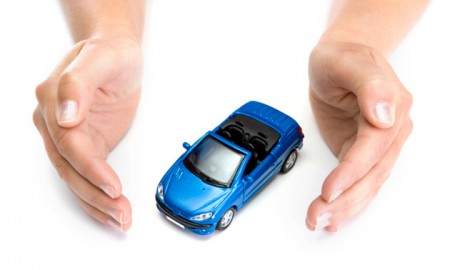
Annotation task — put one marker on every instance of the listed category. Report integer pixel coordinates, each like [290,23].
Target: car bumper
[201,229]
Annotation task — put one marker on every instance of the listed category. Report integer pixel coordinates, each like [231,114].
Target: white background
[204,58]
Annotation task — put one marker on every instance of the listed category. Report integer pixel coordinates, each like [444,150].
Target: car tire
[226,219]
[289,162]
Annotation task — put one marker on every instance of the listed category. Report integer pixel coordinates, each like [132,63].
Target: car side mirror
[186,145]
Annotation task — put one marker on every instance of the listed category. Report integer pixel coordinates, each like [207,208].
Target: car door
[259,177]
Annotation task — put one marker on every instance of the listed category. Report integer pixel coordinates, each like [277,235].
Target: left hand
[85,107]
[362,111]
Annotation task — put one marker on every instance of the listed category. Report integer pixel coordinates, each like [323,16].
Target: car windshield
[214,162]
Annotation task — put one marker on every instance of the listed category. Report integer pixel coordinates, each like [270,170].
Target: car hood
[187,193]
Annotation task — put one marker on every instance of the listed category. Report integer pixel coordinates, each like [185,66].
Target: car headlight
[160,191]
[202,216]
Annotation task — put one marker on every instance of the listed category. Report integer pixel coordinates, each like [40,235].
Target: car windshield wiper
[213,181]
[209,179]
[191,167]
[203,176]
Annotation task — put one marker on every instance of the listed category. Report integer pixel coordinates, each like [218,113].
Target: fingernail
[109,190]
[334,196]
[323,220]
[68,111]
[116,214]
[114,224]
[309,225]
[384,113]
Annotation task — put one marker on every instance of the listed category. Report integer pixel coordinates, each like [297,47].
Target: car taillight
[300,131]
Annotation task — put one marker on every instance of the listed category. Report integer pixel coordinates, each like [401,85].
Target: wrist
[89,19]
[346,35]
[115,30]
[379,24]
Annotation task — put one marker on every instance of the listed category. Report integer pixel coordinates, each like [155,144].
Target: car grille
[188,224]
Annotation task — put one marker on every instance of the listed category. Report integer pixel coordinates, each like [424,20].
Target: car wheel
[226,219]
[289,162]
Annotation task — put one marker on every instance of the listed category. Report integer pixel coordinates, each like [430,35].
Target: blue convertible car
[225,168]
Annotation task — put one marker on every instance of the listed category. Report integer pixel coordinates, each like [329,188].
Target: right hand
[362,110]
[85,107]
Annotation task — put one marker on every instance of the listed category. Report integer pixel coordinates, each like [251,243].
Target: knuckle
[360,53]
[408,99]
[346,202]
[41,90]
[375,191]
[62,169]
[92,198]
[410,125]
[63,141]
[377,150]
[37,118]
[92,211]
[69,80]
[381,148]
[315,208]
[380,176]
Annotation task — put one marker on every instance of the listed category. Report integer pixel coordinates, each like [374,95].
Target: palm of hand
[337,121]
[108,120]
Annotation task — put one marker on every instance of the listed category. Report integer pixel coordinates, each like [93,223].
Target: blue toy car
[226,167]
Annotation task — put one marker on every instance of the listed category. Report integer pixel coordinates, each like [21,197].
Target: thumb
[376,99]
[85,73]
[376,86]
[72,92]
[366,73]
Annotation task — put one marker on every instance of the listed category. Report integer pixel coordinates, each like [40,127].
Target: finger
[104,218]
[315,210]
[80,154]
[79,151]
[322,215]
[368,148]
[356,208]
[329,220]
[54,156]
[119,208]
[353,200]
[329,215]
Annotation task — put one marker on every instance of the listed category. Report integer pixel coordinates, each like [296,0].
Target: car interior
[252,135]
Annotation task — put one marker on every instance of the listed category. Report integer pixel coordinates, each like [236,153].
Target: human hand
[362,111]
[85,107]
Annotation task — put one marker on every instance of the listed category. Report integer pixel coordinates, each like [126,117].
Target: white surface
[203,60]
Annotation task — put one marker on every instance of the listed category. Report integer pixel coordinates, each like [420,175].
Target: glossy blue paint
[226,167]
